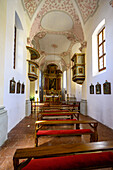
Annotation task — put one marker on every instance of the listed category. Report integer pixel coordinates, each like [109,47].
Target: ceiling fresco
[56,26]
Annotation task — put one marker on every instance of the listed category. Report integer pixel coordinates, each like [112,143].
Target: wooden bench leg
[77,126]
[36,141]
[15,163]
[71,116]
[93,137]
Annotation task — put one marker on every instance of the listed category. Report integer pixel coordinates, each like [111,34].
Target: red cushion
[71,162]
[66,131]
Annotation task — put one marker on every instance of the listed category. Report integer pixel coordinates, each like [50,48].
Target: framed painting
[98,88]
[22,88]
[80,70]
[91,89]
[12,85]
[52,83]
[107,87]
[18,87]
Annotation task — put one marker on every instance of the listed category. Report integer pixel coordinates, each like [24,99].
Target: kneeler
[80,161]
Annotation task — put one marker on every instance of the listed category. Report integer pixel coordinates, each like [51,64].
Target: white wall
[100,107]
[15,103]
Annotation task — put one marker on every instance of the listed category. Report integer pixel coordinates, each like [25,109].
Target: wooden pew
[68,132]
[75,156]
[59,113]
[35,106]
[70,107]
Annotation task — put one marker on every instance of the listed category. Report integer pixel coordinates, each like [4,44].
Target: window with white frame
[101,50]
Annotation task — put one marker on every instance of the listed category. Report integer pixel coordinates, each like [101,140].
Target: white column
[3,125]
[28,102]
[37,89]
[83,103]
[73,86]
[69,81]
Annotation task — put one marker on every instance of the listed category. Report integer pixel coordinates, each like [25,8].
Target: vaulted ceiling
[56,26]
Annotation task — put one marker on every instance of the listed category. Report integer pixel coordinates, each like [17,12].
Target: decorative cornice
[41,34]
[83,45]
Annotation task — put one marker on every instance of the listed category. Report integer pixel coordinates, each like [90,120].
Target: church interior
[56,83]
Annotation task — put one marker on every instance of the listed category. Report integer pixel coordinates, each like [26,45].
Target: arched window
[98,49]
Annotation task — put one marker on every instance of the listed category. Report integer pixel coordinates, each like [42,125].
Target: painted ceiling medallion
[57,21]
[60,40]
[54,46]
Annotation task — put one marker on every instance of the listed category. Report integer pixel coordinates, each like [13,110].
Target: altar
[52,98]
[52,84]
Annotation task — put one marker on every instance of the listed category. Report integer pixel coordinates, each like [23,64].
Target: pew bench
[76,156]
[35,106]
[61,107]
[66,132]
[56,114]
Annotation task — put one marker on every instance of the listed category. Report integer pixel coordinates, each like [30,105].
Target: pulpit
[78,68]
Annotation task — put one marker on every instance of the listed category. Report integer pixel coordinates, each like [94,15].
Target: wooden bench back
[60,150]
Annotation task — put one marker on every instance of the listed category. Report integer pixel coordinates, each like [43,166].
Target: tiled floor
[23,136]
